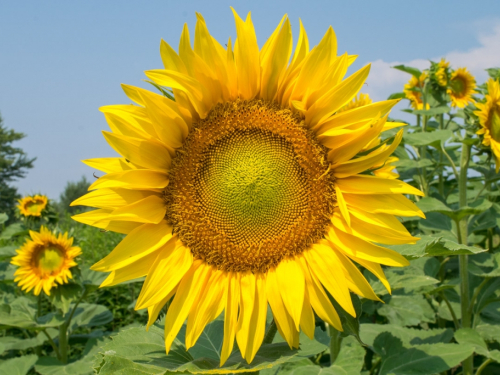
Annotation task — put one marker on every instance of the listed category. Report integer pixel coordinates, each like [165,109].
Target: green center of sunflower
[48,260]
[35,206]
[458,85]
[249,188]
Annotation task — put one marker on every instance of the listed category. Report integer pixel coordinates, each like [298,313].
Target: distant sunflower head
[255,187]
[413,91]
[32,205]
[489,119]
[44,261]
[442,72]
[461,88]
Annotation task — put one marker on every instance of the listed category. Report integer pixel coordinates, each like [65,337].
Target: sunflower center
[34,206]
[249,187]
[48,260]
[458,85]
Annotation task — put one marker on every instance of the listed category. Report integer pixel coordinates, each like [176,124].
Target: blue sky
[60,61]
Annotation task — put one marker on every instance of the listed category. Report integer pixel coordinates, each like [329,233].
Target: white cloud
[384,80]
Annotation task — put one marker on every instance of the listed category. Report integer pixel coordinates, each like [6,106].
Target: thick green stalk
[63,343]
[441,177]
[335,343]
[463,260]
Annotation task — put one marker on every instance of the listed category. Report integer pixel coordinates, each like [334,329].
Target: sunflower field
[265,216]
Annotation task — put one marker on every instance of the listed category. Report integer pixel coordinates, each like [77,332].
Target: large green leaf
[408,336]
[18,366]
[425,359]
[7,251]
[22,313]
[82,366]
[489,332]
[7,271]
[3,217]
[471,337]
[407,310]
[435,245]
[135,351]
[432,111]
[90,315]
[92,279]
[16,343]
[410,163]
[13,230]
[350,324]
[350,358]
[429,204]
[428,138]
[485,265]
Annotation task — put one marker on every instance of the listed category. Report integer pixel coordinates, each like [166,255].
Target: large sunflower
[462,85]
[32,205]
[44,261]
[413,91]
[489,118]
[248,189]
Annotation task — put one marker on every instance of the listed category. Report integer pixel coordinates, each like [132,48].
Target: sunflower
[442,72]
[44,261]
[32,205]
[361,100]
[246,190]
[489,118]
[462,85]
[413,92]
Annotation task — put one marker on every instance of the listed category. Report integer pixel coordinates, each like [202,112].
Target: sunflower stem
[271,332]
[468,365]
[441,177]
[335,343]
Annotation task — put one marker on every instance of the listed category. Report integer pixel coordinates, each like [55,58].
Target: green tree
[14,164]
[72,191]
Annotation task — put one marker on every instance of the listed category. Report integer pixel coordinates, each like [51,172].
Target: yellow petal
[394,204]
[307,320]
[109,165]
[140,242]
[292,287]
[356,115]
[148,210]
[230,315]
[112,198]
[342,205]
[280,313]
[364,163]
[133,271]
[319,300]
[336,98]
[354,246]
[374,268]
[169,268]
[154,310]
[133,179]
[187,292]
[274,59]
[357,185]
[323,263]
[206,307]
[246,56]
[355,279]
[171,59]
[146,153]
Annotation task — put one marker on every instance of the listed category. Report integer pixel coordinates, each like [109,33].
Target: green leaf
[7,271]
[408,336]
[13,230]
[350,324]
[432,111]
[18,366]
[135,351]
[491,313]
[397,95]
[3,217]
[22,313]
[92,279]
[435,221]
[433,139]
[63,295]
[489,332]
[410,163]
[435,245]
[7,251]
[471,337]
[90,315]
[407,310]
[429,204]
[16,343]
[485,265]
[408,69]
[350,358]
[82,366]
[444,310]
